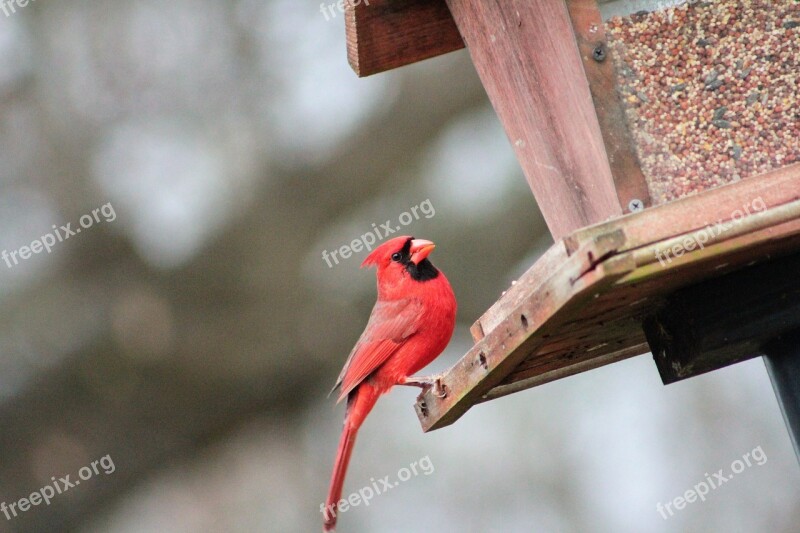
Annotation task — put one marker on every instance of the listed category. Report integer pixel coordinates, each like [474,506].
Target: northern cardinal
[410,325]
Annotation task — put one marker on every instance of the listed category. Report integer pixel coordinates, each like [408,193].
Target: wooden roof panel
[387,34]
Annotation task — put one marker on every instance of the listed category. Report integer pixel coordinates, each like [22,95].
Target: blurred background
[193,338]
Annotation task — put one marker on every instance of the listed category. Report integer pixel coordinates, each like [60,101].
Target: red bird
[410,325]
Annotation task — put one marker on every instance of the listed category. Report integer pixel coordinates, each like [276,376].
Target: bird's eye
[396,256]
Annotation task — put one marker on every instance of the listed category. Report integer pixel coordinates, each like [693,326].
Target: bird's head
[402,256]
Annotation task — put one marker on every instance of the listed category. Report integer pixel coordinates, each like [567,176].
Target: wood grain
[571,326]
[386,34]
[625,168]
[527,58]
[708,207]
[516,294]
[569,288]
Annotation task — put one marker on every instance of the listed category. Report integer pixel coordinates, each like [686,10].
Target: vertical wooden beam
[590,34]
[782,358]
[528,60]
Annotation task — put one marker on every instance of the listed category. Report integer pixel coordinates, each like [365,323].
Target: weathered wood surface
[570,327]
[519,291]
[387,34]
[549,86]
[600,72]
[568,289]
[698,211]
[526,56]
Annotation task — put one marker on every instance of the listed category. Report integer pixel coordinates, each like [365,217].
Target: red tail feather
[359,404]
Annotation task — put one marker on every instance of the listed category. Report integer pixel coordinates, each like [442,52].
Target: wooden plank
[697,331]
[590,34]
[666,251]
[566,332]
[706,208]
[599,348]
[514,296]
[522,382]
[620,330]
[387,34]
[633,295]
[612,324]
[502,349]
[526,56]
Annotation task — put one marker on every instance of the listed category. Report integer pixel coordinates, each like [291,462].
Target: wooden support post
[782,357]
[593,44]
[725,320]
[528,60]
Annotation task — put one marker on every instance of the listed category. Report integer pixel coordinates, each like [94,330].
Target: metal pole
[782,359]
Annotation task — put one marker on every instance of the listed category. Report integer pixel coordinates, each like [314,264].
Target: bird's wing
[389,325]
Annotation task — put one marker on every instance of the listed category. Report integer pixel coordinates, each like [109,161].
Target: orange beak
[420,249]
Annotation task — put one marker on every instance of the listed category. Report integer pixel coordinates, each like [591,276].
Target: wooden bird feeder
[661,140]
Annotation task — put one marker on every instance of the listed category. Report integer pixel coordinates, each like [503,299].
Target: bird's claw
[439,388]
[428,383]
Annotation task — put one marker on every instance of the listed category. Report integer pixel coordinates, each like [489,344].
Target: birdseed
[710,91]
